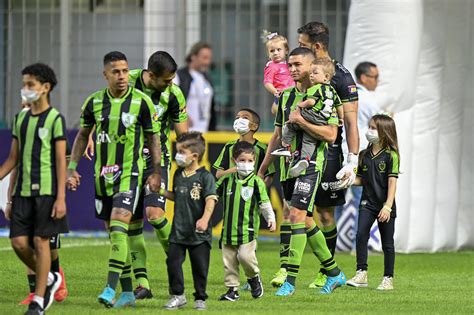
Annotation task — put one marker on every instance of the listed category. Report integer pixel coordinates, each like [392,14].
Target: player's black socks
[32,283]
[55,265]
[112,279]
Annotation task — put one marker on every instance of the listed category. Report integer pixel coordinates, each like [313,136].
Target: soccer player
[244,196]
[336,177]
[300,192]
[246,124]
[39,200]
[123,116]
[194,196]
[170,105]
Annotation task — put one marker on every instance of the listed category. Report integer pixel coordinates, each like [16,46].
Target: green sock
[162,231]
[330,234]
[126,276]
[285,238]
[297,245]
[318,244]
[118,251]
[138,253]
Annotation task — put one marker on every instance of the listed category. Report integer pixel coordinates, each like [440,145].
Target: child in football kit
[244,197]
[276,75]
[322,106]
[377,173]
[194,196]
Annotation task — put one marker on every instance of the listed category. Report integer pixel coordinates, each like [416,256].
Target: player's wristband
[387,208]
[72,165]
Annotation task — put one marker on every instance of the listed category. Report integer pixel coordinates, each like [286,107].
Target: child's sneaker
[231,295]
[282,152]
[256,287]
[34,309]
[299,167]
[387,284]
[175,302]
[200,305]
[359,280]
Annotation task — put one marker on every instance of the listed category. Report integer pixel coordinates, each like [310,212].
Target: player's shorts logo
[302,187]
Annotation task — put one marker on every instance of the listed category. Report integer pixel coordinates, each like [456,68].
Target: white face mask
[241,126]
[245,168]
[372,136]
[29,96]
[181,160]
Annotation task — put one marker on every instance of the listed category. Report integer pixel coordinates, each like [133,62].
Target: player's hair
[269,38]
[255,116]
[364,68]
[161,62]
[301,51]
[242,147]
[43,73]
[387,132]
[114,56]
[327,65]
[194,142]
[195,49]
[317,32]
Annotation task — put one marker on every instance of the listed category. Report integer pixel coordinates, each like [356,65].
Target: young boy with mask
[194,196]
[244,197]
[246,125]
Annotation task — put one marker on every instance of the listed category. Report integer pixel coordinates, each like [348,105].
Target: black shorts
[31,216]
[125,200]
[54,242]
[301,191]
[327,195]
[149,198]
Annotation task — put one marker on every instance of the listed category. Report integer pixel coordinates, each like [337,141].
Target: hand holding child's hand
[277,93]
[233,169]
[384,215]
[272,226]
[201,225]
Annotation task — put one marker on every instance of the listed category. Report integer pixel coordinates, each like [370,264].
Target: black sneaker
[142,293]
[256,287]
[231,295]
[34,309]
[51,290]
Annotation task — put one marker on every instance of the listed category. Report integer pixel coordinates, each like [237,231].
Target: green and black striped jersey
[170,106]
[289,100]
[36,136]
[121,126]
[224,160]
[241,199]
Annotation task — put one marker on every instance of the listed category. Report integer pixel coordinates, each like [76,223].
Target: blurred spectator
[196,85]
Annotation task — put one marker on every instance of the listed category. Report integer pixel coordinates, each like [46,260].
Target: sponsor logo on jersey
[104,137]
[110,173]
[352,89]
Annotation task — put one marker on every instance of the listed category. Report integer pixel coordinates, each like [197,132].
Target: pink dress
[278,74]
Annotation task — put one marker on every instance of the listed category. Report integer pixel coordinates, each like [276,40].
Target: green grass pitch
[424,283]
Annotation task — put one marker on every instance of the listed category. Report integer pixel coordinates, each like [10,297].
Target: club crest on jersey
[382,166]
[196,191]
[159,110]
[325,186]
[43,133]
[246,193]
[128,119]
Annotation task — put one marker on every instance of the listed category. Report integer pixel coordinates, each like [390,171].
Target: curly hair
[42,72]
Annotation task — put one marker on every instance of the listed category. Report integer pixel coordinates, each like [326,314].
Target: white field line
[71,244]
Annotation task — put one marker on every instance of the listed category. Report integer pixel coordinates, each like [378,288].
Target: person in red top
[276,76]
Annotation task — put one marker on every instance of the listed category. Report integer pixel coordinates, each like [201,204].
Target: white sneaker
[387,284]
[359,280]
[175,302]
[299,167]
[200,305]
[282,152]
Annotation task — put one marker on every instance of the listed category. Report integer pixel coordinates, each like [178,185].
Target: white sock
[50,278]
[38,299]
